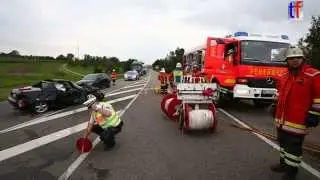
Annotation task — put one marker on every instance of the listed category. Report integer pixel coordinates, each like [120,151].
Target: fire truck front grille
[262,83]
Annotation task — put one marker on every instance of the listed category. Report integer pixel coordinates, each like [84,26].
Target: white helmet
[294,52]
[178,65]
[163,70]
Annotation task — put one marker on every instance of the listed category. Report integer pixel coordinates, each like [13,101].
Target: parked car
[131,75]
[99,80]
[47,94]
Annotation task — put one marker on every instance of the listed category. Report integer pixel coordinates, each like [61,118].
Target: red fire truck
[244,65]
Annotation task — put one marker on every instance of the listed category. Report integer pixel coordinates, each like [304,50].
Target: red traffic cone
[84,145]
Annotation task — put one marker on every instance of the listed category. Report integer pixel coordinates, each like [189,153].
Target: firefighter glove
[312,120]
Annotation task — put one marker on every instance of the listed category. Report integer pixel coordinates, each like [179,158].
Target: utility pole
[78,50]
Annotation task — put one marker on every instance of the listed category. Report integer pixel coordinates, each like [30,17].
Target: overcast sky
[142,29]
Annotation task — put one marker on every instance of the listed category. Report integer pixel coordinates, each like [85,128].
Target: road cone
[84,145]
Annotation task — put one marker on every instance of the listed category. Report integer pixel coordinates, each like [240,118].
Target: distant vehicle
[131,75]
[99,80]
[51,93]
[138,66]
[144,71]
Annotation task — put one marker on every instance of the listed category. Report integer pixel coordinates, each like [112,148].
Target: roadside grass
[19,72]
[81,70]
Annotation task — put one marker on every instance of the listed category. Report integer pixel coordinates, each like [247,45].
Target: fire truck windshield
[263,53]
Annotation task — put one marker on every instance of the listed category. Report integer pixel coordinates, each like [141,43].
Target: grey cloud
[53,27]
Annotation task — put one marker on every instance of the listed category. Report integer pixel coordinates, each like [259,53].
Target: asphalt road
[149,147]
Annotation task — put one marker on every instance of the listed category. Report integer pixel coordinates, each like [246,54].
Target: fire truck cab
[244,65]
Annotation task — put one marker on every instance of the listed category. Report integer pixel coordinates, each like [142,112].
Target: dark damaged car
[47,94]
[98,80]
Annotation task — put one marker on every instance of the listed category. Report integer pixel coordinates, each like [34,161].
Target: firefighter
[177,75]
[298,107]
[163,78]
[114,76]
[196,74]
[104,121]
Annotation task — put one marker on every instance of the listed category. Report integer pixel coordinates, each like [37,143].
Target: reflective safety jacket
[177,76]
[113,75]
[105,122]
[299,96]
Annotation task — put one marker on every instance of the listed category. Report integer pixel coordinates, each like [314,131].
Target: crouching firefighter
[298,107]
[104,121]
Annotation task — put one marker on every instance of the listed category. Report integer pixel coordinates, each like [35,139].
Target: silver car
[131,76]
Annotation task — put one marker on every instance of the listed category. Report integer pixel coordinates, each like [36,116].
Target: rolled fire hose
[307,146]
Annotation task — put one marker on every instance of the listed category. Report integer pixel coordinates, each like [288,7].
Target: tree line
[170,61]
[310,43]
[100,64]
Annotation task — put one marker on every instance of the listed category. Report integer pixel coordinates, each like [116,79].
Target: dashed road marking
[122,92]
[30,145]
[135,85]
[83,156]
[59,115]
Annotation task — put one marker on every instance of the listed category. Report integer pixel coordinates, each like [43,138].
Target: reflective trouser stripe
[291,163]
[295,130]
[290,159]
[315,112]
[282,153]
[316,100]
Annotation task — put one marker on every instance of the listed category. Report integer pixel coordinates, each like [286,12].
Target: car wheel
[41,107]
[89,96]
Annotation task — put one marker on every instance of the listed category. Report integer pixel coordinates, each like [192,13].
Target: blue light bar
[285,37]
[241,34]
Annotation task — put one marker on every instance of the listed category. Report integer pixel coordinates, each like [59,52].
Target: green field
[19,73]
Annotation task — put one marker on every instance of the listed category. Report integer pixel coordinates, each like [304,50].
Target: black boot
[279,168]
[290,174]
[109,145]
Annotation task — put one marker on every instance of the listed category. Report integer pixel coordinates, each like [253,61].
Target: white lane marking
[119,89]
[56,116]
[83,156]
[136,85]
[50,114]
[274,145]
[30,145]
[122,92]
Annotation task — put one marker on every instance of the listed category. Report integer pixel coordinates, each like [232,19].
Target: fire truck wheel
[218,97]
[181,120]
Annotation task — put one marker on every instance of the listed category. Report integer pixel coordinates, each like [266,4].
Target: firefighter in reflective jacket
[114,76]
[177,75]
[298,107]
[104,121]
[163,78]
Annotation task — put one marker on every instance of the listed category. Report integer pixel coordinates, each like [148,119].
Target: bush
[97,69]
